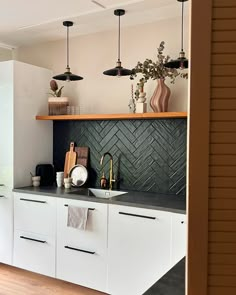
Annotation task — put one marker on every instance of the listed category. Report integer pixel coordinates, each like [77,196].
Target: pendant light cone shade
[67,76]
[118,70]
[181,62]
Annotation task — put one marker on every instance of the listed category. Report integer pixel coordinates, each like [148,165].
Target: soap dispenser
[103,181]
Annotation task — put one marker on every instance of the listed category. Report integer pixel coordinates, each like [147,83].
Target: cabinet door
[138,248]
[34,252]
[35,213]
[179,238]
[82,254]
[6,124]
[6,226]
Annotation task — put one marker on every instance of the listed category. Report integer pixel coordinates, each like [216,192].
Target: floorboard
[15,281]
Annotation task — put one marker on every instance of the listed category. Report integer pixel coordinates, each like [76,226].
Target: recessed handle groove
[35,201]
[80,250]
[31,239]
[137,215]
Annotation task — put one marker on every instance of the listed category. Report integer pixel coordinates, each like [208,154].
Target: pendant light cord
[119,41]
[182,28]
[67,46]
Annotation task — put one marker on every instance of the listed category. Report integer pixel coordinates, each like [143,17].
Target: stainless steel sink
[105,194]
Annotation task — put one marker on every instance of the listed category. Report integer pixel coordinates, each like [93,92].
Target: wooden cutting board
[70,159]
[82,155]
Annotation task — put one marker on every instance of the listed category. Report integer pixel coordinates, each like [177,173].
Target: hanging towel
[77,217]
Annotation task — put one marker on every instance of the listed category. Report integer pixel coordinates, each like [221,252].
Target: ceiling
[25,22]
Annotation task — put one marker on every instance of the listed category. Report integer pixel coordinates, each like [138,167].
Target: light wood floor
[14,281]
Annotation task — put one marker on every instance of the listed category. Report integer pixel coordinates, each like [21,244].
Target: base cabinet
[123,250]
[139,248]
[179,237]
[82,254]
[6,226]
[35,233]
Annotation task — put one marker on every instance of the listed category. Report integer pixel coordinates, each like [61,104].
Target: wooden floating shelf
[164,115]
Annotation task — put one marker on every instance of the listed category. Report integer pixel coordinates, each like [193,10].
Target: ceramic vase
[160,98]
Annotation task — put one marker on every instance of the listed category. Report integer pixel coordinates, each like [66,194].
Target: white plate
[79,175]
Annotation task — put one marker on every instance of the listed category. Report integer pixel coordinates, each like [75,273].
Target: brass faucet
[111,179]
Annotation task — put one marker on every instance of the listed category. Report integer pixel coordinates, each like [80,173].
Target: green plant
[54,87]
[156,70]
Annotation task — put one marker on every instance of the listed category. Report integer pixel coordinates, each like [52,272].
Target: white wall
[91,54]
[5,54]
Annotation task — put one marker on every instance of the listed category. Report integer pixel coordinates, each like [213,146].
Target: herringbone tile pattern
[149,155]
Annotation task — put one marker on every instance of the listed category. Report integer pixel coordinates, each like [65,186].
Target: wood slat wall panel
[224,12]
[221,291]
[220,137]
[224,82]
[223,104]
[222,215]
[224,59]
[222,193]
[224,25]
[223,126]
[222,149]
[223,47]
[223,70]
[223,204]
[228,281]
[222,248]
[223,160]
[223,92]
[223,171]
[224,270]
[221,36]
[224,3]
[223,115]
[222,182]
[229,259]
[225,226]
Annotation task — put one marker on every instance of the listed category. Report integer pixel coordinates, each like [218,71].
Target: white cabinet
[24,142]
[139,248]
[179,237]
[82,254]
[35,233]
[6,226]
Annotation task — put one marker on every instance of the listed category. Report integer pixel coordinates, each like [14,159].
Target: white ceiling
[25,22]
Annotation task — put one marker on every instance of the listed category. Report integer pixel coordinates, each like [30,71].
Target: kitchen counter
[173,282]
[164,202]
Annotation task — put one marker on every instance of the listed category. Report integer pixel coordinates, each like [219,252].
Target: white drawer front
[82,254]
[83,268]
[35,213]
[138,248]
[94,237]
[34,252]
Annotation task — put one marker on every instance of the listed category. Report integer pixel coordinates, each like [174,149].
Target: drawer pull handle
[76,249]
[1,184]
[34,240]
[2,196]
[35,201]
[182,222]
[66,205]
[137,215]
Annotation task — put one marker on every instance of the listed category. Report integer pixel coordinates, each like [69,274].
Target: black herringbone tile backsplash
[149,155]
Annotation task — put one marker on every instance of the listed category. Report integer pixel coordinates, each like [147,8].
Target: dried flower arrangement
[157,70]
[54,87]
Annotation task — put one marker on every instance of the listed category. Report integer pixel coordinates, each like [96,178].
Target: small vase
[160,98]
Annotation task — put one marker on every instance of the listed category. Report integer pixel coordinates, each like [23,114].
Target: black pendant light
[67,76]
[118,70]
[181,62]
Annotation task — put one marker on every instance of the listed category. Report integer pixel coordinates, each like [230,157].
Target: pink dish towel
[77,217]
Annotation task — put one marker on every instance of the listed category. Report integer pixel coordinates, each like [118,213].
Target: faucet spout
[111,177]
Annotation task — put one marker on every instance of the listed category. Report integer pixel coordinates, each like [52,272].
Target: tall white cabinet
[24,142]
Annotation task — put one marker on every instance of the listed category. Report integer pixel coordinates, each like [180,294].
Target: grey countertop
[172,283]
[164,202]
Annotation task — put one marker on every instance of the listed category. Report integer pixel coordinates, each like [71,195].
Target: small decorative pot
[160,98]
